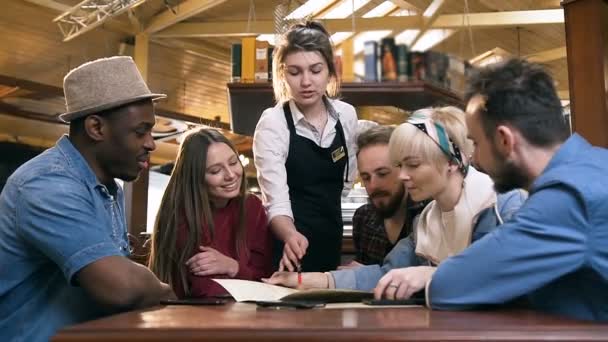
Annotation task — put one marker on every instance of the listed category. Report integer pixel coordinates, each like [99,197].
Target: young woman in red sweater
[208,226]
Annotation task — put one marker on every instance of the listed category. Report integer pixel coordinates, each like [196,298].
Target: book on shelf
[388,59]
[402,63]
[248,59]
[338,66]
[261,61]
[270,52]
[437,65]
[348,60]
[370,56]
[235,57]
[417,66]
[456,74]
[247,290]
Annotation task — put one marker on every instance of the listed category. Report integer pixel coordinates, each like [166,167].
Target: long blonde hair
[186,201]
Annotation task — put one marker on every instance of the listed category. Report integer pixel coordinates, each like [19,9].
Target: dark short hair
[521,94]
[378,135]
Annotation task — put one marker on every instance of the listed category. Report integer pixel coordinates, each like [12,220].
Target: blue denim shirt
[554,251]
[55,218]
[404,253]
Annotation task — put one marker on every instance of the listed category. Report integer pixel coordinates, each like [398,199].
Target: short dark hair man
[380,224]
[553,251]
[63,238]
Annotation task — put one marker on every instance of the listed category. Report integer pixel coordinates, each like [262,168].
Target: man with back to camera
[63,238]
[553,252]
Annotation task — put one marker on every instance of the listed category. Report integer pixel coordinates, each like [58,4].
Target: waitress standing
[304,151]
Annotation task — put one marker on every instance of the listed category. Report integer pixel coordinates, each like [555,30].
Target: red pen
[299,275]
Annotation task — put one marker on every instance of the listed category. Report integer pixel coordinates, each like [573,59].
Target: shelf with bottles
[383,61]
[388,61]
[247,101]
[392,76]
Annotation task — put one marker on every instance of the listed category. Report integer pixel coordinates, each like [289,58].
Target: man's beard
[394,203]
[508,177]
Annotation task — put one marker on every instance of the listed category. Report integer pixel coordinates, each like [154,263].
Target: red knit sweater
[258,264]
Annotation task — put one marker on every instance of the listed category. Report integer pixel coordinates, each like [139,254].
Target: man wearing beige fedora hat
[63,238]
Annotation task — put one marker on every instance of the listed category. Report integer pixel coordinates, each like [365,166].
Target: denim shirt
[404,253]
[554,250]
[55,219]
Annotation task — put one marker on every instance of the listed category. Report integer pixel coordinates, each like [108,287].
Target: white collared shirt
[271,148]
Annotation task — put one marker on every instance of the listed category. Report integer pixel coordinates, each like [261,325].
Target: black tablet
[193,301]
[411,301]
[288,304]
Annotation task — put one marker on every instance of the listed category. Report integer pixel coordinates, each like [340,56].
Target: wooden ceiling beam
[12,110]
[445,21]
[324,10]
[406,5]
[51,4]
[359,55]
[429,16]
[503,5]
[183,11]
[239,28]
[43,89]
[7,91]
[501,19]
[548,55]
[490,56]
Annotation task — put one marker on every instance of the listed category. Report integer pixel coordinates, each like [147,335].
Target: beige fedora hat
[103,84]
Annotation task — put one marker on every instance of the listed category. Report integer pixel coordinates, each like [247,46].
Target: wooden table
[243,322]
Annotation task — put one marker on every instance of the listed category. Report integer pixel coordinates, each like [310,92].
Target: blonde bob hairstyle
[408,140]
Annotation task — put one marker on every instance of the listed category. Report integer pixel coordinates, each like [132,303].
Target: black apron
[315,176]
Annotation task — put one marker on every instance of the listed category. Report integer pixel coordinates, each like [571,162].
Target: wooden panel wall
[587,42]
[32,49]
[32,46]
[196,85]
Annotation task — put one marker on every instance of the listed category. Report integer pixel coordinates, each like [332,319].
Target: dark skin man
[117,144]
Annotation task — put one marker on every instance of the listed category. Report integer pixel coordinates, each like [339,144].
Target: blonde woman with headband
[430,149]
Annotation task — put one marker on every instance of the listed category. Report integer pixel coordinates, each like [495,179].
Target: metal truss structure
[90,14]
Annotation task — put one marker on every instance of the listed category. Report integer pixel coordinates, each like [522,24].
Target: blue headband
[437,132]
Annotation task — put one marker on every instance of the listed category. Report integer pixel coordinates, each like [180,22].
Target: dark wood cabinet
[247,101]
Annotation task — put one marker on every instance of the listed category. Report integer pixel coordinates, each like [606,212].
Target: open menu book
[246,290]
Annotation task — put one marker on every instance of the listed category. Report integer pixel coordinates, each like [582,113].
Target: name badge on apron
[338,154]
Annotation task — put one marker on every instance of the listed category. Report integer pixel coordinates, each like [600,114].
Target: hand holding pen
[293,251]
